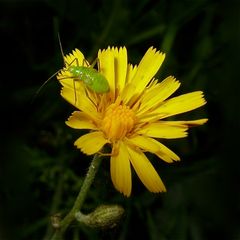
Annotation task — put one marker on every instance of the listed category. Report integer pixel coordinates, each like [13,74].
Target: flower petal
[163,129]
[91,143]
[65,77]
[131,71]
[191,123]
[80,120]
[76,58]
[121,66]
[148,67]
[66,80]
[181,104]
[80,101]
[146,171]
[158,93]
[106,67]
[153,146]
[129,88]
[127,92]
[121,171]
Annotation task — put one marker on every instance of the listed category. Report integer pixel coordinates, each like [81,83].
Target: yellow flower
[130,116]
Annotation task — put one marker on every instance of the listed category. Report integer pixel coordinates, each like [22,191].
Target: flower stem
[80,198]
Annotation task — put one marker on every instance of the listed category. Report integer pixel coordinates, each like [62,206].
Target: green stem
[55,204]
[70,217]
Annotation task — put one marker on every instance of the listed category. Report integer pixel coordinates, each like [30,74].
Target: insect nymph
[92,79]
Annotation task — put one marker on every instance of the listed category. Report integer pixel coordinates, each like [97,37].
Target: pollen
[118,121]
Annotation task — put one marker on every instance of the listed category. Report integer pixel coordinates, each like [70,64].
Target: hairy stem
[70,217]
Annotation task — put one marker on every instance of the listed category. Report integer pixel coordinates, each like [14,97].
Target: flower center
[118,121]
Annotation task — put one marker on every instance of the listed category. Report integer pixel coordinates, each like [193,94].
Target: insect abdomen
[99,83]
[94,80]
[91,78]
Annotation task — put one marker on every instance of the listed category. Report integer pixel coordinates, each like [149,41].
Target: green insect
[92,79]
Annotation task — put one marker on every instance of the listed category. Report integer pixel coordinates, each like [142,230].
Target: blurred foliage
[41,171]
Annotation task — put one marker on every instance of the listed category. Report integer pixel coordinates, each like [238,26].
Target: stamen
[118,121]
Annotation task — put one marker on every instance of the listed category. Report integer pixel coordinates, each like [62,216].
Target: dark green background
[41,172]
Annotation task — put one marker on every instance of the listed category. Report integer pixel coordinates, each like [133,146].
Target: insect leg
[74,79]
[74,83]
[94,63]
[75,91]
[86,62]
[74,86]
[115,152]
[107,154]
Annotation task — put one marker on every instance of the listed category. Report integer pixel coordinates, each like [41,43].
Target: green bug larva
[90,77]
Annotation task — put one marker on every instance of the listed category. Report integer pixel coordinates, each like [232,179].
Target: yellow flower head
[130,116]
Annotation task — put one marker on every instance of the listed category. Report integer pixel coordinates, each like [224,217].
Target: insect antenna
[62,53]
[43,85]
[61,49]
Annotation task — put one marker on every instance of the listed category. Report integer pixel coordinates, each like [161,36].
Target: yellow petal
[121,171]
[120,61]
[146,171]
[191,123]
[131,71]
[153,146]
[80,101]
[76,58]
[66,79]
[129,88]
[163,130]
[79,120]
[148,67]
[127,92]
[91,143]
[181,104]
[106,67]
[158,93]
[165,153]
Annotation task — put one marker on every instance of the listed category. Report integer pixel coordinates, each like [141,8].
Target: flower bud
[55,220]
[104,216]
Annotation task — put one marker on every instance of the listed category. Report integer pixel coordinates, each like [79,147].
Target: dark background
[41,171]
